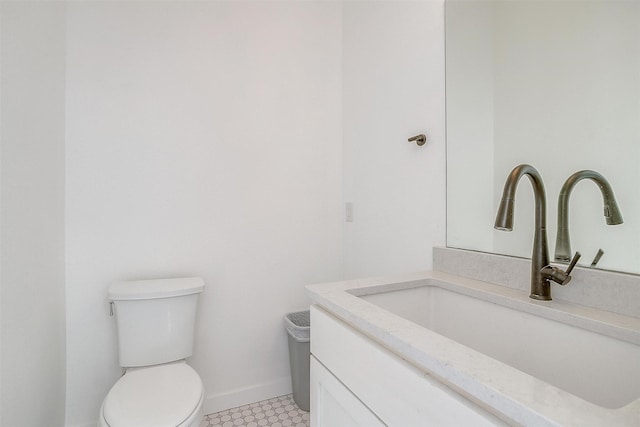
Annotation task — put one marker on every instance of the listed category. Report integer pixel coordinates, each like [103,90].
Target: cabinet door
[332,404]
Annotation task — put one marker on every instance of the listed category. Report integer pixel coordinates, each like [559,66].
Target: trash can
[298,325]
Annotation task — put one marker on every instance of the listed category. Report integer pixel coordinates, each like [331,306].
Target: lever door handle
[419,139]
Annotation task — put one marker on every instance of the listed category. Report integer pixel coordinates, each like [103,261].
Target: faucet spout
[540,287]
[611,211]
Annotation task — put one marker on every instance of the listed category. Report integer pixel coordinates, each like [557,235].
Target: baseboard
[243,396]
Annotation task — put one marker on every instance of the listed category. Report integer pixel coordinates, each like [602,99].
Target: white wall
[32,211]
[205,138]
[202,139]
[393,88]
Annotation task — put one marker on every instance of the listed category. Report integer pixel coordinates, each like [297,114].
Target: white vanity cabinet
[357,382]
[334,405]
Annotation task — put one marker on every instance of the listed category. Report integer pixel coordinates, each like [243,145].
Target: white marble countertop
[518,397]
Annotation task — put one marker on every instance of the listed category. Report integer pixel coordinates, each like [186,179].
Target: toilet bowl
[168,395]
[155,320]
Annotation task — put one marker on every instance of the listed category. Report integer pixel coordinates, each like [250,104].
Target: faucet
[611,210]
[541,271]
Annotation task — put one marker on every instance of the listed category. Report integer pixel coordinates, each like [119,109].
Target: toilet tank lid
[155,288]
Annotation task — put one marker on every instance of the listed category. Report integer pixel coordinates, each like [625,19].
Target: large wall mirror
[555,84]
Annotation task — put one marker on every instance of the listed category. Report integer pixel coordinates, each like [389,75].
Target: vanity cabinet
[357,382]
[334,405]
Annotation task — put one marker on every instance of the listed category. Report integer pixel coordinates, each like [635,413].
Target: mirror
[555,84]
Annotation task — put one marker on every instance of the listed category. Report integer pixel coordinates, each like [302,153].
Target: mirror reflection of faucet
[597,258]
[611,211]
[541,271]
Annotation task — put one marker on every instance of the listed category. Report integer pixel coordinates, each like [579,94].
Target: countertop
[515,396]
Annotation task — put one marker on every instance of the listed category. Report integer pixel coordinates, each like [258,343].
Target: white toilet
[156,320]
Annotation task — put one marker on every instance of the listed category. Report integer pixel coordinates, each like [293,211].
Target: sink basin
[595,367]
[543,363]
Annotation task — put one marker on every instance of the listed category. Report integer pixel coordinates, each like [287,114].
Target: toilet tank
[155,319]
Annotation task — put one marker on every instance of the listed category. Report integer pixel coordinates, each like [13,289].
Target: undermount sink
[595,367]
[530,362]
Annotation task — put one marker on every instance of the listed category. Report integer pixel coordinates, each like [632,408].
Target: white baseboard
[243,396]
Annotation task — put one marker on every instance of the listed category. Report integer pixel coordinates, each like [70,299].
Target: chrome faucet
[541,271]
[611,210]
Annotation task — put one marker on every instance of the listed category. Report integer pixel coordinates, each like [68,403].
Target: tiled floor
[277,412]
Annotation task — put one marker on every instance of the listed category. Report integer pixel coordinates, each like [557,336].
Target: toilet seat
[158,396]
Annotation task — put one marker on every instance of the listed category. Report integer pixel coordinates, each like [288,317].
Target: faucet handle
[557,275]
[573,263]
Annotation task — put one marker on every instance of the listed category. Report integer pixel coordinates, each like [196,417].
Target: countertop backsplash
[606,290]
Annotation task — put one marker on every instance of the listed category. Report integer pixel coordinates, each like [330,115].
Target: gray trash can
[298,327]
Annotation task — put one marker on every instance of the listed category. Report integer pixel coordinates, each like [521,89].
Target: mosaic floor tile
[276,412]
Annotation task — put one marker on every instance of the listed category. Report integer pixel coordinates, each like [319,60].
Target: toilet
[155,321]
